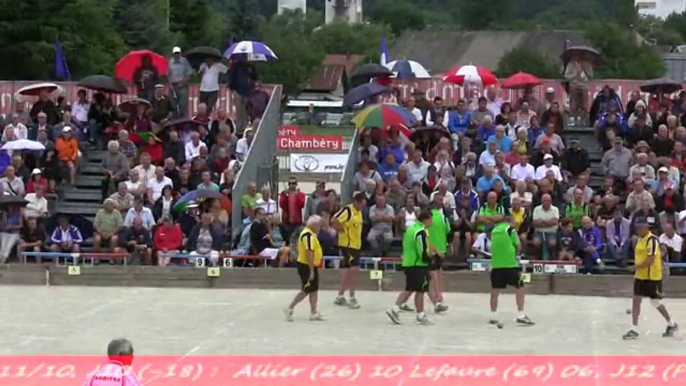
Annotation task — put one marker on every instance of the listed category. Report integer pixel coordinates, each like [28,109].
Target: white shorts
[271,253]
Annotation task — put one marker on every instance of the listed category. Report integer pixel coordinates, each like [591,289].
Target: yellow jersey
[518,217]
[308,241]
[350,234]
[648,246]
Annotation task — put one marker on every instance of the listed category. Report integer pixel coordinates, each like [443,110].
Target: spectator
[618,240]
[364,173]
[486,129]
[209,82]
[448,199]
[577,209]
[669,203]
[366,144]
[512,126]
[470,166]
[141,212]
[126,146]
[134,185]
[592,244]
[493,102]
[482,114]
[164,205]
[168,240]
[407,214]
[568,241]
[418,168]
[243,145]
[394,146]
[445,169]
[268,204]
[639,197]
[616,162]
[67,121]
[545,149]
[19,129]
[156,184]
[555,140]
[37,206]
[521,194]
[466,194]
[106,225]
[388,168]
[146,77]
[116,167]
[66,238]
[490,213]
[534,130]
[32,133]
[37,180]
[205,239]
[643,168]
[503,142]
[67,148]
[179,72]
[31,239]
[650,215]
[382,217]
[659,186]
[291,202]
[123,200]
[419,196]
[459,121]
[136,241]
[10,226]
[396,196]
[548,166]
[257,102]
[261,241]
[140,121]
[575,160]
[581,184]
[20,170]
[146,170]
[545,221]
[487,157]
[11,184]
[249,200]
[162,107]
[174,148]
[485,182]
[673,243]
[192,148]
[662,145]
[79,109]
[522,170]
[553,116]
[606,210]
[524,115]
[501,167]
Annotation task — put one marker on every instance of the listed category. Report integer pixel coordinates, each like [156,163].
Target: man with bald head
[136,241]
[592,244]
[545,222]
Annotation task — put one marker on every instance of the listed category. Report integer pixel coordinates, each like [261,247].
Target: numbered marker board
[200,262]
[213,272]
[564,269]
[538,268]
[375,274]
[73,270]
[227,263]
[526,278]
[480,266]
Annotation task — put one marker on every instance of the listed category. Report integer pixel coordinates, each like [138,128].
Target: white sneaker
[316,317]
[353,304]
[289,314]
[424,320]
[340,301]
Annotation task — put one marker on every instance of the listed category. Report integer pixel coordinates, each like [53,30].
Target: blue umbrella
[403,70]
[363,92]
[255,51]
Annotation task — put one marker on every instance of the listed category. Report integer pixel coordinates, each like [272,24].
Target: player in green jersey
[505,270]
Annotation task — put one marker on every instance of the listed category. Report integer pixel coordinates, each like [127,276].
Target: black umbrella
[427,138]
[371,70]
[583,53]
[197,55]
[85,226]
[104,83]
[184,122]
[130,105]
[7,200]
[362,92]
[661,86]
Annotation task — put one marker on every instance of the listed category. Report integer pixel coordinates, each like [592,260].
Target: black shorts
[501,278]
[648,288]
[435,263]
[351,257]
[417,279]
[308,286]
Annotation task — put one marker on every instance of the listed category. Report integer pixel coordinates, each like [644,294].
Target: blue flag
[384,51]
[61,67]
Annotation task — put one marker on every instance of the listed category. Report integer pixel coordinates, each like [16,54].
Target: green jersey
[438,231]
[576,213]
[486,211]
[504,242]
[415,246]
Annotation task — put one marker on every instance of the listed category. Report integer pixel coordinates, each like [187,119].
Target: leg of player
[394,313]
[289,311]
[310,287]
[635,314]
[520,295]
[662,309]
[352,273]
[494,308]
[421,285]
[314,313]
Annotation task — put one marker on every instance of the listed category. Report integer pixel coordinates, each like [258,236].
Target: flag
[384,51]
[61,67]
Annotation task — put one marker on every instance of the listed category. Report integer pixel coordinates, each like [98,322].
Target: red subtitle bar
[357,370]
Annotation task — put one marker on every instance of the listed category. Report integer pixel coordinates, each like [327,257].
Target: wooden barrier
[286,278]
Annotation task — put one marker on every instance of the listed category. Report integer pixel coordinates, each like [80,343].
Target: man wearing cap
[542,171]
[162,107]
[660,185]
[46,105]
[179,71]
[67,148]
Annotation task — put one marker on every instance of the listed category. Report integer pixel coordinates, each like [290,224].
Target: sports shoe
[405,308]
[631,335]
[316,317]
[525,321]
[289,314]
[424,320]
[394,316]
[669,332]
[353,304]
[493,321]
[440,308]
[340,301]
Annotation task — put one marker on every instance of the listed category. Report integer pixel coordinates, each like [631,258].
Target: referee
[309,259]
[647,279]
[348,223]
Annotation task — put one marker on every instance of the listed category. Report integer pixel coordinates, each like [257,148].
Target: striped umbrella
[256,51]
[383,115]
[462,75]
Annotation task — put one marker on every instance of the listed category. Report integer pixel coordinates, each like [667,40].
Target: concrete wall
[258,278]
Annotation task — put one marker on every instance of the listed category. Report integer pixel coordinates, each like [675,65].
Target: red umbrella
[127,65]
[470,74]
[521,80]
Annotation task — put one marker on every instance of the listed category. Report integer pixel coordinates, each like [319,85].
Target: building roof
[440,51]
[329,75]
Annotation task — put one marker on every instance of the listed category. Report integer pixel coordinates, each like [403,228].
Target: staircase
[85,198]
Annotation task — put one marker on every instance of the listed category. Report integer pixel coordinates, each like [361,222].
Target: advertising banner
[318,163]
[310,142]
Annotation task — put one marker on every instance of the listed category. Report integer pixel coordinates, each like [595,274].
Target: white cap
[550,90]
[66,129]
[36,171]
[176,50]
[663,169]
[548,156]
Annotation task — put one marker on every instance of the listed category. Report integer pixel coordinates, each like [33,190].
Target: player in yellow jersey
[648,279]
[348,222]
[309,259]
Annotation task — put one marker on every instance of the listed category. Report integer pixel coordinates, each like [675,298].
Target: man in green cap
[416,267]
[505,270]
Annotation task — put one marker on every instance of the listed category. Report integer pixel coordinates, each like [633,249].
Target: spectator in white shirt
[209,83]
[642,168]
[522,194]
[139,211]
[418,168]
[20,130]
[416,112]
[37,206]
[80,108]
[494,103]
[134,185]
[243,145]
[487,157]
[542,171]
[145,170]
[156,184]
[522,170]
[672,242]
[448,198]
[193,146]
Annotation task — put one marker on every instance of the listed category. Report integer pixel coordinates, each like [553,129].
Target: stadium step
[96,155]
[82,208]
[91,168]
[83,181]
[82,195]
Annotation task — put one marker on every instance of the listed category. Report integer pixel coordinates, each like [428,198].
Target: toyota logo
[306,163]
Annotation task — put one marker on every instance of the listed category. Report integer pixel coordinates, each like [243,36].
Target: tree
[244,20]
[143,24]
[525,59]
[400,15]
[623,56]
[481,15]
[344,39]
[197,23]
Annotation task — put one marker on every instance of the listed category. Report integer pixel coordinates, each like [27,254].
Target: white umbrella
[417,69]
[27,93]
[23,144]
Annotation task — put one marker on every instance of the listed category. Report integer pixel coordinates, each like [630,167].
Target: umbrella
[382,116]
[85,226]
[583,53]
[127,65]
[130,105]
[198,55]
[521,80]
[470,74]
[402,68]
[200,195]
[36,88]
[362,92]
[12,200]
[140,138]
[661,86]
[256,51]
[371,70]
[103,83]
[23,144]
[184,122]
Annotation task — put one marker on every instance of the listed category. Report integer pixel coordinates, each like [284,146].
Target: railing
[260,163]
[350,169]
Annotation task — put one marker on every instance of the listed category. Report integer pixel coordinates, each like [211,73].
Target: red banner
[310,142]
[391,370]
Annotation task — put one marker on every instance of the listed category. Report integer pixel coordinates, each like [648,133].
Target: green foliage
[196,23]
[623,56]
[525,59]
[480,14]
[244,20]
[143,24]
[400,15]
[343,39]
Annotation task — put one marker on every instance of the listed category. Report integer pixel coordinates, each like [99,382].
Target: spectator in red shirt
[291,202]
[168,241]
[36,180]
